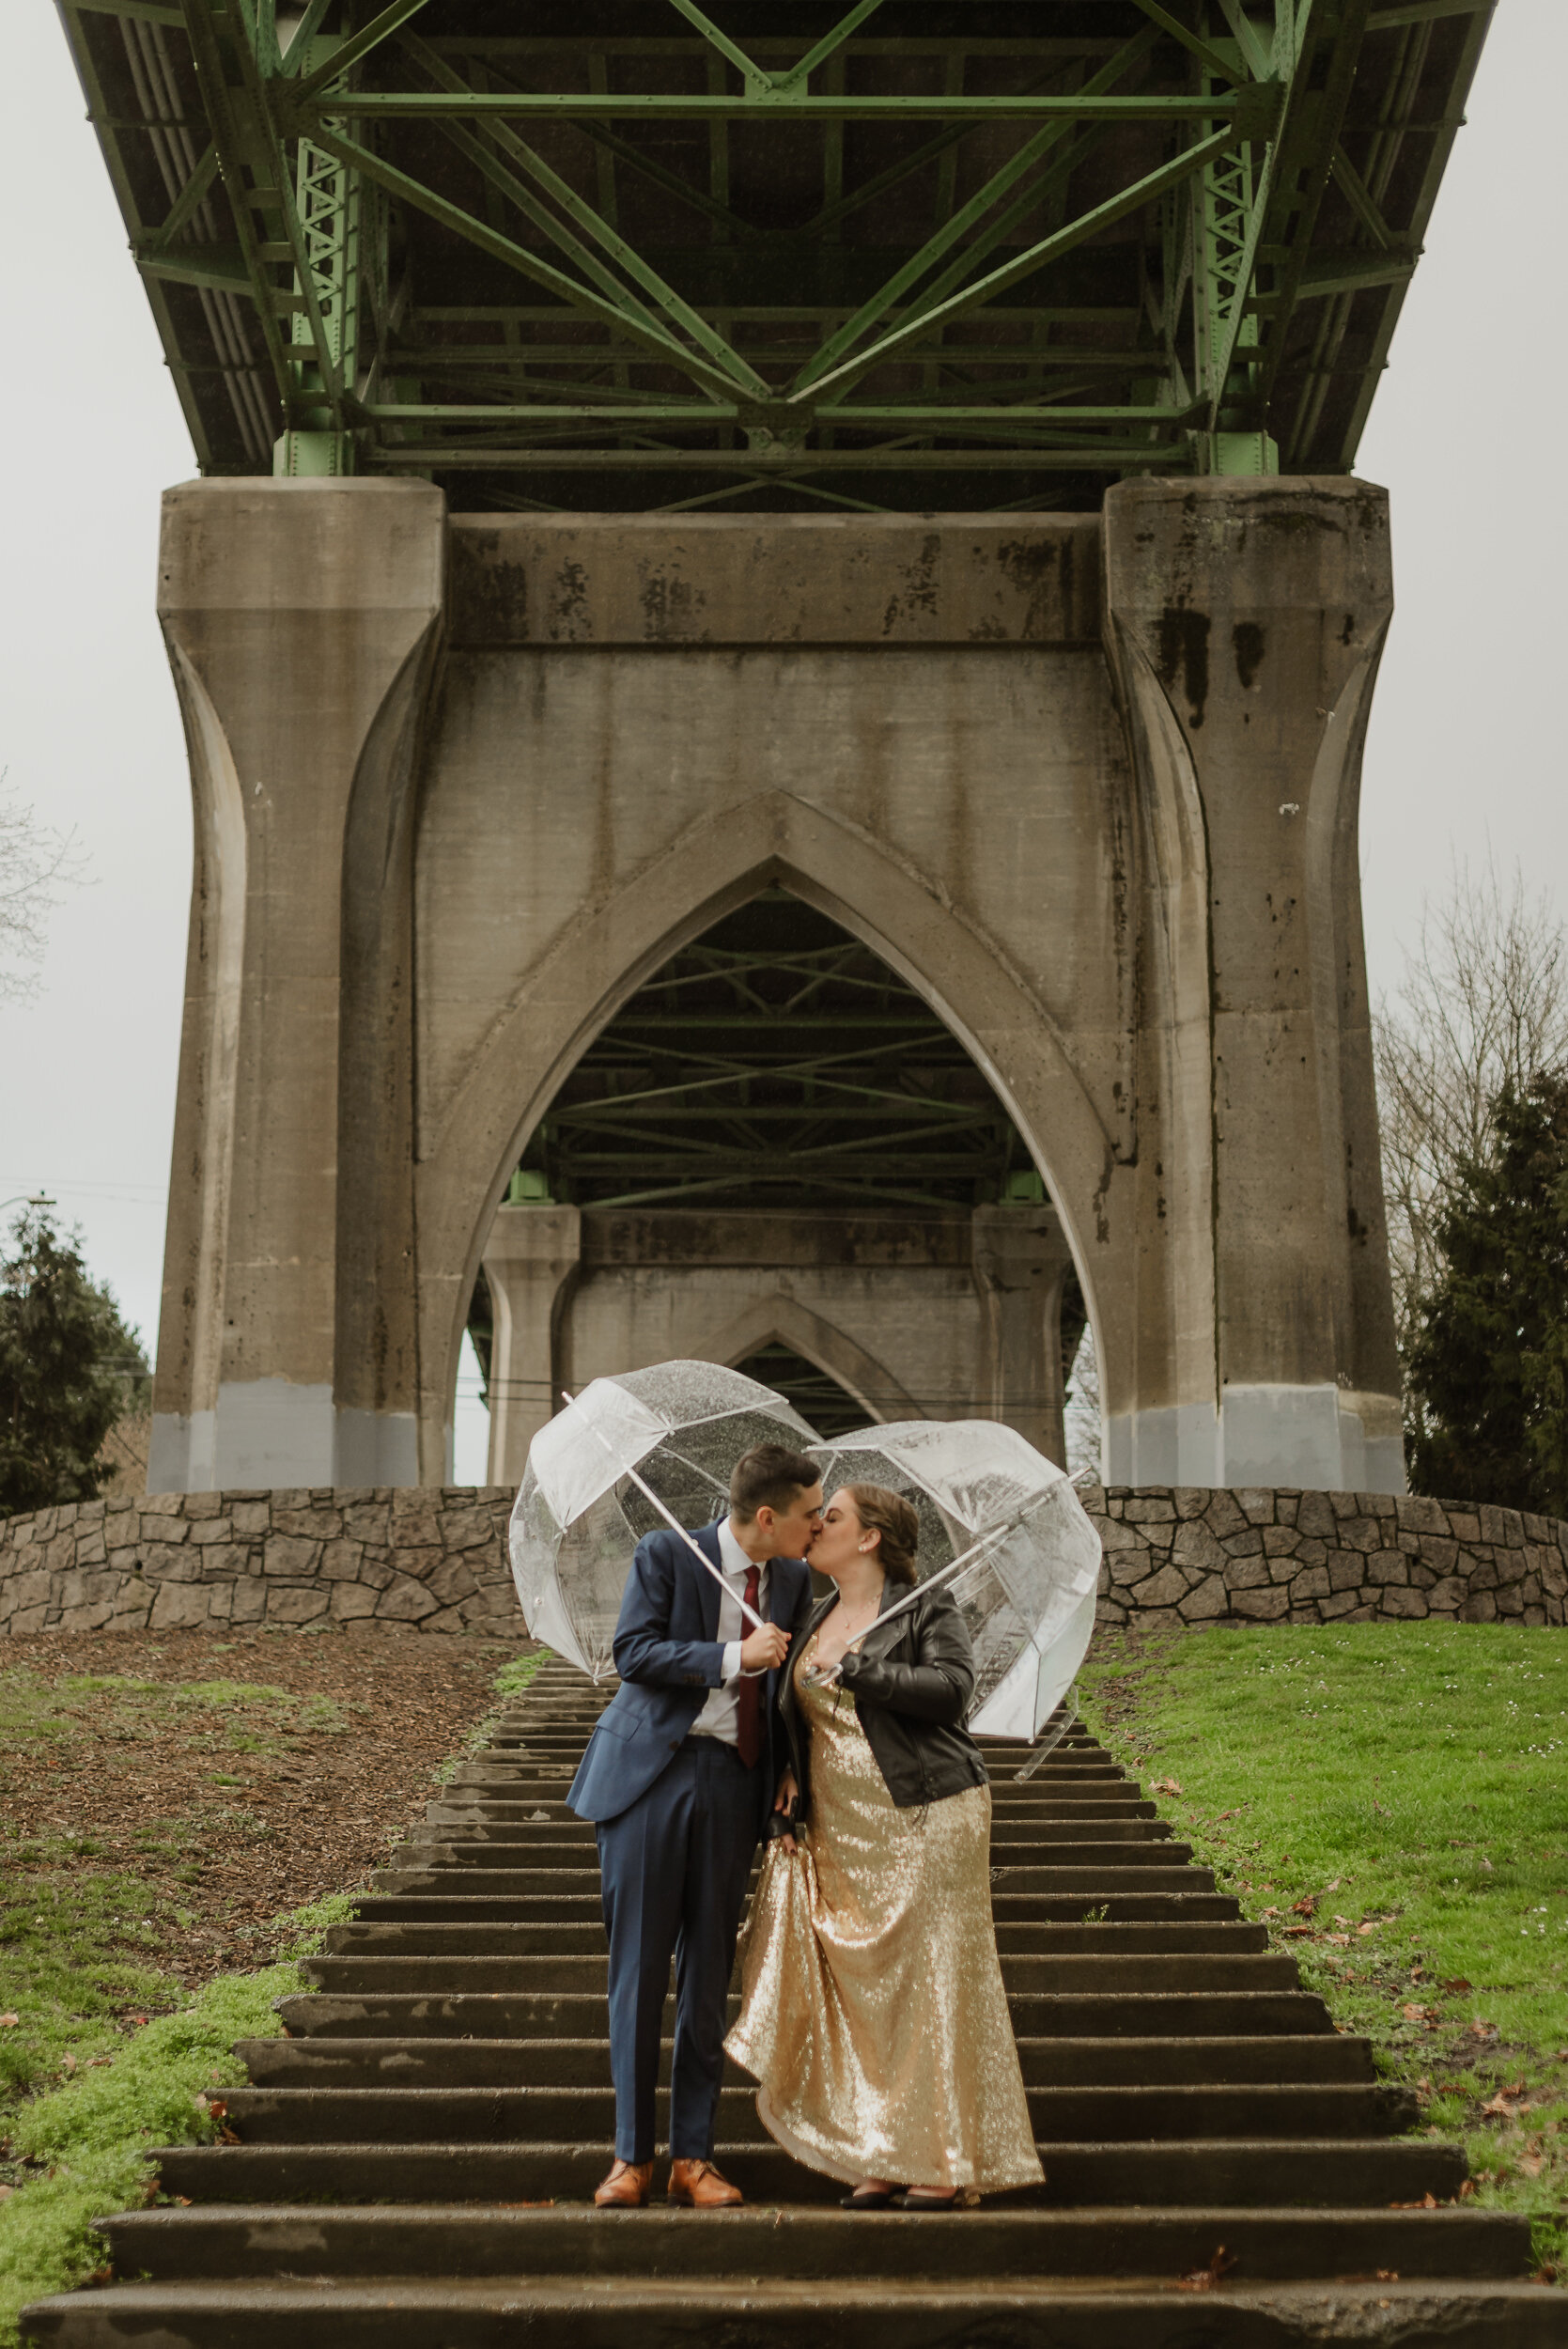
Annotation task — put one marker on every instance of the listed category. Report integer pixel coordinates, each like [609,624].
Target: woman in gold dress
[873,2012]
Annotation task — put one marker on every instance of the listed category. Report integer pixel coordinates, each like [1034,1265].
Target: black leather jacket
[911,1684]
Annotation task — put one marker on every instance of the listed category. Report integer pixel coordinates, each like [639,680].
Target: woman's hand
[787,1795]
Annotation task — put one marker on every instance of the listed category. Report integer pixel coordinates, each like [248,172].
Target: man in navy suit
[679,1778]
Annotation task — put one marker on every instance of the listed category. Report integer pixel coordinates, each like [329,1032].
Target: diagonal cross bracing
[663,256]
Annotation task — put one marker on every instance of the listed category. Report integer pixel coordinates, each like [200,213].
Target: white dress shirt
[717,1716]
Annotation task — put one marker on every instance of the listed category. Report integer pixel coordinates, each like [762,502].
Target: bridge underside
[775,693]
[919,254]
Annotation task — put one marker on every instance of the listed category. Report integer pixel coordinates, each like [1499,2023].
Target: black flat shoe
[882,2198]
[928,2201]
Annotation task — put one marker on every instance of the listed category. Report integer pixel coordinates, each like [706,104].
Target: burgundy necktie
[748,1703]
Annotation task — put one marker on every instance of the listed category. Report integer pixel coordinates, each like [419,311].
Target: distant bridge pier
[1086,783]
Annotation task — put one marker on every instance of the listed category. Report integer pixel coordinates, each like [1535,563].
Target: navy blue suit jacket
[669,1656]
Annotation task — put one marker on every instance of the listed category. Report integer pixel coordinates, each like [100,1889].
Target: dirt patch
[236,1778]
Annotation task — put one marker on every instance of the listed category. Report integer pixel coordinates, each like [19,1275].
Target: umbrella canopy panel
[1028,1598]
[580,1515]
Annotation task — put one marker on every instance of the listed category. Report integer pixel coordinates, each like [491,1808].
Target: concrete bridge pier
[1244,624]
[913,1316]
[1087,782]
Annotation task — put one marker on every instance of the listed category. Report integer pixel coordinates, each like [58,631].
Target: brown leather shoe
[700,2186]
[626,2187]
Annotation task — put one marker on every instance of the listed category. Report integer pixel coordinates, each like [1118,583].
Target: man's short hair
[770,1477]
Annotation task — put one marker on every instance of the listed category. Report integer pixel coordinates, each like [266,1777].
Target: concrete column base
[268,1432]
[1313,1436]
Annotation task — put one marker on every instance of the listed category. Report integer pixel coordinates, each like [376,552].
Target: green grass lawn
[1391,1799]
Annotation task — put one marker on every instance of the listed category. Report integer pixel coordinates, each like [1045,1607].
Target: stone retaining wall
[435,1561]
[1186,1554]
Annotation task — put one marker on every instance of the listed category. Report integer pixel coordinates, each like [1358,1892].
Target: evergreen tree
[1489,1365]
[69,1368]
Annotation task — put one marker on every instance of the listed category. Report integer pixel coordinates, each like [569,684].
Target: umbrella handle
[673,1523]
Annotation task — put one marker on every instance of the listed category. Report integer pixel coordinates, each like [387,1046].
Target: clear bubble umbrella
[1024,1557]
[597,1474]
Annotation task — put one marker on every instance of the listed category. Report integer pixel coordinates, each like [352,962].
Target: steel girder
[917,252]
[776,1062]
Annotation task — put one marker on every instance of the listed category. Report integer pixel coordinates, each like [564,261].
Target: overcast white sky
[1465,755]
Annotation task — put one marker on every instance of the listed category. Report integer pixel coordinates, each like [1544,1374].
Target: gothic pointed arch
[777,1316]
[611,947]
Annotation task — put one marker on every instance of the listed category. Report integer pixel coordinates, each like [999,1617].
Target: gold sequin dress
[872,2008]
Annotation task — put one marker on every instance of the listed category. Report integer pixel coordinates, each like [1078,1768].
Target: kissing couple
[872,2012]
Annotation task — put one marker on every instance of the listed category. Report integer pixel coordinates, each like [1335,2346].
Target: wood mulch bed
[237,1808]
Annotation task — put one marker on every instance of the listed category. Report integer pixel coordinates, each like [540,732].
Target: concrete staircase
[416,2158]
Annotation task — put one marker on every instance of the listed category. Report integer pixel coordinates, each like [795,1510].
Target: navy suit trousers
[675,1867]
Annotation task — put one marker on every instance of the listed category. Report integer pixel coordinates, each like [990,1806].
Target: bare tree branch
[1484,1002]
[37,867]
[1082,1418]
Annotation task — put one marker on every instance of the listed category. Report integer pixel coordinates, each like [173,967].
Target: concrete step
[1243,2173]
[660,2244]
[431,1898]
[395,2115]
[1024,1976]
[526,2014]
[463,1805]
[503,1772]
[425,2061]
[415,2161]
[565,2312]
[484,1857]
[532,1944]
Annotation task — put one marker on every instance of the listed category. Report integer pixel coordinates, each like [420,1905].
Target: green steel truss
[622,252]
[776,1062]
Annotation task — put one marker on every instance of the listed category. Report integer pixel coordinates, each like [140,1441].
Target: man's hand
[765,1649]
[787,1793]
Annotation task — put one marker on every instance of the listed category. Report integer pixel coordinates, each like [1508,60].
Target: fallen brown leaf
[1204,2279]
[1457,1988]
